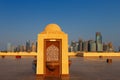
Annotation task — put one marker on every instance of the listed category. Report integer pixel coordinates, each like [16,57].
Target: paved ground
[81,69]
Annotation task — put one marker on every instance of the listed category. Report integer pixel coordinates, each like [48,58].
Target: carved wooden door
[52,57]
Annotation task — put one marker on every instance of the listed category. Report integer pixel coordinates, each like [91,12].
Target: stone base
[43,77]
[65,77]
[40,77]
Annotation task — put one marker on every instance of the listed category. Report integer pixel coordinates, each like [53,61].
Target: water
[80,69]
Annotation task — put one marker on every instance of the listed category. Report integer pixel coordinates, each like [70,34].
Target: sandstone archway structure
[52,52]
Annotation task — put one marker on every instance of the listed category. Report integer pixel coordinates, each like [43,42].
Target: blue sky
[22,20]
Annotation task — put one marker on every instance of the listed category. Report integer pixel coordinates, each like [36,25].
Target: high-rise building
[10,47]
[99,44]
[73,44]
[119,48]
[33,47]
[98,37]
[110,45]
[28,48]
[76,47]
[105,47]
[80,42]
[91,46]
[99,47]
[22,48]
[70,49]
[85,46]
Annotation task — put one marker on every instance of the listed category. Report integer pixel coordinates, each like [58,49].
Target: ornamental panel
[52,53]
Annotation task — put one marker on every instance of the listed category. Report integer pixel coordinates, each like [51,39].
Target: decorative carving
[52,53]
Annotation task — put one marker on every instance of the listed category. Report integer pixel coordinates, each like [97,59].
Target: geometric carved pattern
[52,53]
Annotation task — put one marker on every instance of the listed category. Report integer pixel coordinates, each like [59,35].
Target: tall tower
[73,44]
[91,45]
[33,47]
[80,45]
[9,47]
[98,37]
[28,46]
[85,46]
[99,45]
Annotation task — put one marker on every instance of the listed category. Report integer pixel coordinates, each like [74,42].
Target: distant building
[80,45]
[73,44]
[91,46]
[110,45]
[99,47]
[99,44]
[70,49]
[98,37]
[105,47]
[85,46]
[119,48]
[76,47]
[18,48]
[33,47]
[10,48]
[22,48]
[28,48]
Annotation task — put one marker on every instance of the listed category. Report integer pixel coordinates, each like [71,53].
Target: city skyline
[95,45]
[92,45]
[23,20]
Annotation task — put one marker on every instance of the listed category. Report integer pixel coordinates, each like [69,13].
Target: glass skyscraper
[99,45]
[98,37]
[91,46]
[28,46]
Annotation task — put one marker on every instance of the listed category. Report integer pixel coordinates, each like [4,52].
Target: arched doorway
[52,57]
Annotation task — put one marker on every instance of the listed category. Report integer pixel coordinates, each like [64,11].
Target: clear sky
[22,20]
